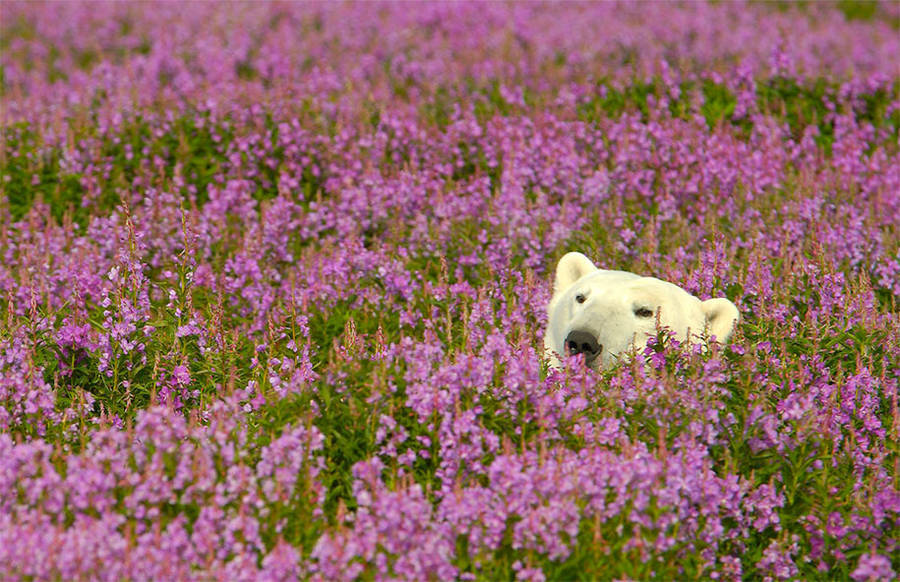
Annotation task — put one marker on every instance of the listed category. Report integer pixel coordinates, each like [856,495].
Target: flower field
[273,287]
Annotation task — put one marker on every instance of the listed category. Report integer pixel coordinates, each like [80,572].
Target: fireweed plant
[274,276]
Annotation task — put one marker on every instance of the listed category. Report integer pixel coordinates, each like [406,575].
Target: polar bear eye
[643,312]
[580,298]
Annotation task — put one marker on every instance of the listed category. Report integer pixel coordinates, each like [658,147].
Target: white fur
[611,301]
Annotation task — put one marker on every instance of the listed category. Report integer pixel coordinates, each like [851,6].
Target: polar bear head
[603,314]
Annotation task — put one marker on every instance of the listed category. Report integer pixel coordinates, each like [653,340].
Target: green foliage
[348,425]
[858,9]
[34,171]
[613,102]
[438,109]
[718,103]
[800,106]
[197,148]
[31,171]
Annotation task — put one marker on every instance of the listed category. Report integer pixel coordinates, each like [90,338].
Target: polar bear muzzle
[583,342]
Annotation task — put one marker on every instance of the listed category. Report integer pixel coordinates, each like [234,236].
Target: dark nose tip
[582,342]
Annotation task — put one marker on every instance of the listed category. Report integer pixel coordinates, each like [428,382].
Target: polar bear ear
[571,267]
[721,317]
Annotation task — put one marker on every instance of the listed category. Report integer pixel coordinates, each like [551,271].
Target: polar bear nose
[582,342]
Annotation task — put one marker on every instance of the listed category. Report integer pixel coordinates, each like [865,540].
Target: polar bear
[603,314]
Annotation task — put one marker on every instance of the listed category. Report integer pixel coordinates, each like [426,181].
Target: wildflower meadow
[274,277]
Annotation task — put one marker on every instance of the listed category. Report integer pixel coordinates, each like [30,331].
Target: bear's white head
[603,314]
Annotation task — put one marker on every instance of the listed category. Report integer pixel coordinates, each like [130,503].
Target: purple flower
[181,374]
[873,567]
